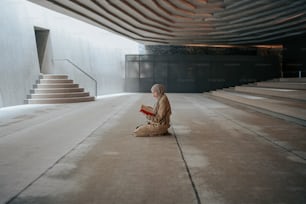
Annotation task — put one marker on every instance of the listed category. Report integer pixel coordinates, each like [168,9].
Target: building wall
[98,52]
[197,73]
[199,69]
[294,57]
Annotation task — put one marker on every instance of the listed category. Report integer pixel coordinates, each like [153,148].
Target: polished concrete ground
[85,153]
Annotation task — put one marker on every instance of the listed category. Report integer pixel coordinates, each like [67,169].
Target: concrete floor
[85,153]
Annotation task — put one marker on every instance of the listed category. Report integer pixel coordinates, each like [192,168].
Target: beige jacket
[162,111]
[159,123]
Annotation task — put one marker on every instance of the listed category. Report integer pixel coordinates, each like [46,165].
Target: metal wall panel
[196,73]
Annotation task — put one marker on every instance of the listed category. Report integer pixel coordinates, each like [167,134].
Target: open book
[148,110]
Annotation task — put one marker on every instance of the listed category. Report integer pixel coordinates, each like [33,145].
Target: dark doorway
[41,36]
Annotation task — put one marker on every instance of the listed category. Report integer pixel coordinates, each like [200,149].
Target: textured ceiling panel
[191,22]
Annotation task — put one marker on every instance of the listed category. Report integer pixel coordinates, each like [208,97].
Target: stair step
[292,110]
[282,98]
[54,76]
[64,85]
[55,81]
[285,85]
[60,100]
[284,93]
[303,79]
[57,90]
[58,95]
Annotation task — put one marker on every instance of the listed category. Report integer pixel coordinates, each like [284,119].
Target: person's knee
[141,131]
[150,130]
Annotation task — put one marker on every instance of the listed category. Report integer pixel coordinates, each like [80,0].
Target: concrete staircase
[282,98]
[53,88]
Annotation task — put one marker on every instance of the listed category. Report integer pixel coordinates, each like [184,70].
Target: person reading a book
[158,116]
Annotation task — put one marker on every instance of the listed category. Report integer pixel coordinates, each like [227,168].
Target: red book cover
[147,110]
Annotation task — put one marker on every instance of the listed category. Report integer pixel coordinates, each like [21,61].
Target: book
[147,110]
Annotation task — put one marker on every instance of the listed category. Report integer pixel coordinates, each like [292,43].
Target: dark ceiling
[191,22]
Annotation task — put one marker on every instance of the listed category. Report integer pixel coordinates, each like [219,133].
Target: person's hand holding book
[147,110]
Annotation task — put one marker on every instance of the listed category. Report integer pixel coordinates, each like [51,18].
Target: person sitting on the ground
[158,117]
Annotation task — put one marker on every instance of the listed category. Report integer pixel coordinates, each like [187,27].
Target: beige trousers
[151,130]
